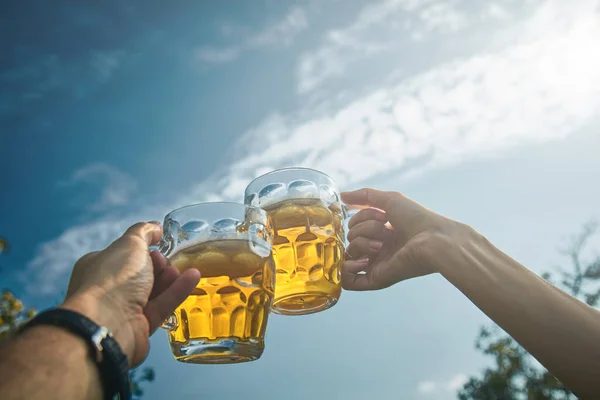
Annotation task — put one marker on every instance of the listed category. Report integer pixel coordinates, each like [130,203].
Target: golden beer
[308,250]
[229,307]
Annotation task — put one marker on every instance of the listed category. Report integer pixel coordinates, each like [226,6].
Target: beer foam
[275,193]
[271,201]
[257,245]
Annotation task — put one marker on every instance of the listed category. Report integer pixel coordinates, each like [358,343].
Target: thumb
[405,215]
[401,267]
[369,197]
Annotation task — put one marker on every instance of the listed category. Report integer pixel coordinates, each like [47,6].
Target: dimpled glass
[308,237]
[224,319]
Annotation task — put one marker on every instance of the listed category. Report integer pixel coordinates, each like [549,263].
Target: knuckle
[368,195]
[354,243]
[141,230]
[354,233]
[369,228]
[359,247]
[137,228]
[353,249]
[351,235]
[356,218]
[132,240]
[86,258]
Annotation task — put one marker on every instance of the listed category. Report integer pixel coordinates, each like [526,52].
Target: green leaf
[4,246]
[593,270]
[547,276]
[149,374]
[592,299]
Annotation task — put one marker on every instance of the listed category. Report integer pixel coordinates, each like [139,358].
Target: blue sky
[488,112]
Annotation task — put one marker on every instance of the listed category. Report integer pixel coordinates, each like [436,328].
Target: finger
[353,267]
[367,214]
[164,274]
[369,197]
[149,232]
[363,247]
[371,229]
[159,262]
[356,277]
[163,281]
[405,215]
[161,307]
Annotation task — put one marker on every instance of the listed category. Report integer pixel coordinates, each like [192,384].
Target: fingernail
[363,260]
[154,222]
[375,244]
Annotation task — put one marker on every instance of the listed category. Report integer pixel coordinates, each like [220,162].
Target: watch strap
[104,349]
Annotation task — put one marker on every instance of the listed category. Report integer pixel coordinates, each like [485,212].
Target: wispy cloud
[116,187]
[542,87]
[452,385]
[105,63]
[426,387]
[456,382]
[388,26]
[280,33]
[48,75]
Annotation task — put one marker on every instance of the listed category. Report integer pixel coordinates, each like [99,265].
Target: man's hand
[129,289]
[395,240]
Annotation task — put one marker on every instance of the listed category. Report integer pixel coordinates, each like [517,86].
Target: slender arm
[560,331]
[50,363]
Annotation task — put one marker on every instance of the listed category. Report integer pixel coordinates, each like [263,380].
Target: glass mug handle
[162,246]
[349,210]
[171,323]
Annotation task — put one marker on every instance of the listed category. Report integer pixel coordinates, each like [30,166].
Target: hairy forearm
[560,331]
[47,363]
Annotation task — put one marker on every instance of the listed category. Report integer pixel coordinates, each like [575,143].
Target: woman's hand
[395,239]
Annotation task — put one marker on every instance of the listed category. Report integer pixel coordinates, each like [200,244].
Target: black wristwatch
[104,349]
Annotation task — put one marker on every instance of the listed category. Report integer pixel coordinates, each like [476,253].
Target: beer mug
[308,237]
[224,319]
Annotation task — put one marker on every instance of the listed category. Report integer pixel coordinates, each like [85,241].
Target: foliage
[12,313]
[4,248]
[516,374]
[136,380]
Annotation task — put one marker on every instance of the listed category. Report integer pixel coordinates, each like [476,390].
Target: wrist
[103,315]
[467,254]
[454,250]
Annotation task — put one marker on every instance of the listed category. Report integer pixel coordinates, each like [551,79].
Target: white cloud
[55,259]
[378,27]
[395,27]
[452,385]
[105,63]
[496,11]
[426,387]
[281,33]
[542,87]
[117,186]
[457,382]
